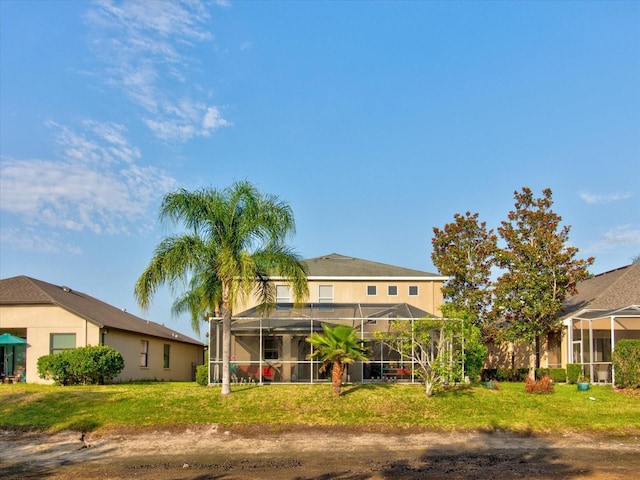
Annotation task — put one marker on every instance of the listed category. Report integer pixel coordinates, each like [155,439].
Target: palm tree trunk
[336,377]
[226,341]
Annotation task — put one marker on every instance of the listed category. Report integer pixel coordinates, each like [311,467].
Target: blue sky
[375,121]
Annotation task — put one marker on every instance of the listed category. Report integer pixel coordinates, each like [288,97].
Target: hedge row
[521,374]
[81,366]
[626,361]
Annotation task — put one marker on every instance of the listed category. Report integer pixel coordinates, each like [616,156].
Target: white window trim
[322,299]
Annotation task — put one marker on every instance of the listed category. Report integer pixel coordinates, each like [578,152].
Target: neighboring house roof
[24,290]
[340,266]
[611,290]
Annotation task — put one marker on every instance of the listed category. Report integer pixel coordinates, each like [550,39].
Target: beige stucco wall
[39,322]
[182,357]
[429,296]
[504,355]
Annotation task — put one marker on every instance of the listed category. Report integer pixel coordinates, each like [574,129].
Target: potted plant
[583,383]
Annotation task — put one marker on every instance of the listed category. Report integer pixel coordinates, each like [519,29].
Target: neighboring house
[605,310]
[53,318]
[364,294]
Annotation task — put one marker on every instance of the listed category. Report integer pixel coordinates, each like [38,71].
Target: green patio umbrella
[8,340]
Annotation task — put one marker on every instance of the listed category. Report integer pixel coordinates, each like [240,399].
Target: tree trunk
[226,341]
[336,377]
[532,361]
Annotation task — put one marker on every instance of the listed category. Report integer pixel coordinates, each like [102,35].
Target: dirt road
[210,452]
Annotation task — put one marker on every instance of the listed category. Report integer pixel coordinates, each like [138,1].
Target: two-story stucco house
[52,318]
[364,294]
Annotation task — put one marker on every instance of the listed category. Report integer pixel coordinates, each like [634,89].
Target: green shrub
[505,374]
[626,362]
[202,375]
[558,374]
[520,374]
[84,365]
[56,367]
[574,370]
[542,372]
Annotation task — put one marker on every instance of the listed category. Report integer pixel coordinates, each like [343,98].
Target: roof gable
[335,265]
[607,291]
[24,290]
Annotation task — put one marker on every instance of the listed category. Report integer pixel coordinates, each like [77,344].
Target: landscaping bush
[544,385]
[574,370]
[542,372]
[488,374]
[520,374]
[505,374]
[84,365]
[626,362]
[202,375]
[558,374]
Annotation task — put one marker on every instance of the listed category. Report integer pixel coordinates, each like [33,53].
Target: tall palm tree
[339,345]
[234,241]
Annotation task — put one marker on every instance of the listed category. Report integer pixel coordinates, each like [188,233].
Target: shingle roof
[335,265]
[610,290]
[323,311]
[287,318]
[24,290]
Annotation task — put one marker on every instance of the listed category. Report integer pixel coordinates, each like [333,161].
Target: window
[270,348]
[325,294]
[372,290]
[413,290]
[392,290]
[167,356]
[283,294]
[62,341]
[144,353]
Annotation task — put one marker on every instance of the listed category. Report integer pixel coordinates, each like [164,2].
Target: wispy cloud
[620,236]
[605,198]
[95,184]
[145,50]
[33,239]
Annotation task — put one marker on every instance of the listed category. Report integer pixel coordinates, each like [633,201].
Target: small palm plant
[339,345]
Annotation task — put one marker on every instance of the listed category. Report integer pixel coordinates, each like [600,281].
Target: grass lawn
[89,408]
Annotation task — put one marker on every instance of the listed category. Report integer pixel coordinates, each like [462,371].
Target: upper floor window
[392,290]
[62,341]
[413,290]
[372,290]
[283,294]
[325,294]
[144,353]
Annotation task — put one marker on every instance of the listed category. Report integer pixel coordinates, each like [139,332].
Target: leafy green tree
[338,346]
[433,346]
[539,271]
[233,243]
[465,250]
